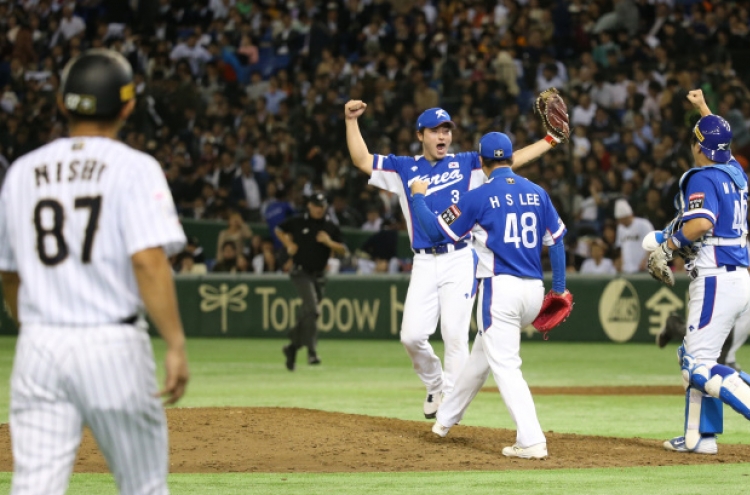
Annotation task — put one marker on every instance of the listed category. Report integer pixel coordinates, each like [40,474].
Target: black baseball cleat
[674,329]
[313,359]
[291,356]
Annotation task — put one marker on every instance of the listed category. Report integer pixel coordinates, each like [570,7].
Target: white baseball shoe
[538,451]
[440,430]
[706,445]
[431,404]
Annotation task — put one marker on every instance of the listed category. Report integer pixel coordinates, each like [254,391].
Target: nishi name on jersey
[82,170]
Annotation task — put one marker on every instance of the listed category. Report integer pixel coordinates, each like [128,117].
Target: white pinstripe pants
[102,377]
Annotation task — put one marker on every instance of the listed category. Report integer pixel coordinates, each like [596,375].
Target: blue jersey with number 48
[515,218]
[449,179]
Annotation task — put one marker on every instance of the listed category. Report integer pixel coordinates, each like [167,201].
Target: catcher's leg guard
[721,382]
[731,388]
[704,417]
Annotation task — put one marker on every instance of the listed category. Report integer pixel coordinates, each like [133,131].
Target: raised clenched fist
[696,98]
[354,108]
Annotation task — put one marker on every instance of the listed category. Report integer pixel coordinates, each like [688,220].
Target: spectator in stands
[195,54]
[236,232]
[71,25]
[374,221]
[342,214]
[333,179]
[378,253]
[194,249]
[630,233]
[187,266]
[267,260]
[245,192]
[583,113]
[597,264]
[275,210]
[274,96]
[651,209]
[231,261]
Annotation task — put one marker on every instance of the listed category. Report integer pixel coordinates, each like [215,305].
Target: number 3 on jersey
[92,203]
[528,230]
[454,196]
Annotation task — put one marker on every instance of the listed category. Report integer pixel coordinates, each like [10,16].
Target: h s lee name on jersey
[528,199]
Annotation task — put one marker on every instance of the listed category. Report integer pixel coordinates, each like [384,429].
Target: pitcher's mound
[221,440]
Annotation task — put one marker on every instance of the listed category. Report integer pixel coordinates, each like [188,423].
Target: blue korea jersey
[450,178]
[713,194]
[516,216]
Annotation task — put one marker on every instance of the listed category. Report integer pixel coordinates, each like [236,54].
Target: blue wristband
[680,240]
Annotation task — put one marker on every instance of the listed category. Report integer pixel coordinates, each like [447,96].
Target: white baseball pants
[102,377]
[441,286]
[506,305]
[741,333]
[718,301]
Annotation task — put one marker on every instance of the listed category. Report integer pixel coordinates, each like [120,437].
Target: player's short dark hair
[497,163]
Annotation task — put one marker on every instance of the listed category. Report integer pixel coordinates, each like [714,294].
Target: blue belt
[442,248]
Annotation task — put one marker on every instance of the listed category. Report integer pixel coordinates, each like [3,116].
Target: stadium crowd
[242,101]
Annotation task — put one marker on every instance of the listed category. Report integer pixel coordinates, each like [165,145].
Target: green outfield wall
[629,309]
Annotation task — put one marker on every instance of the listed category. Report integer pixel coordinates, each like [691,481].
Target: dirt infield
[223,440]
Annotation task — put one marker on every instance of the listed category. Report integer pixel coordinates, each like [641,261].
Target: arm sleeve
[428,220]
[386,172]
[149,215]
[557,258]
[7,257]
[700,198]
[554,226]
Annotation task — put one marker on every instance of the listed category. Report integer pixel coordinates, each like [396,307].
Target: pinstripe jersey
[71,215]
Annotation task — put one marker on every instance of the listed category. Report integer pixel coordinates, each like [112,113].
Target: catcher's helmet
[714,136]
[96,84]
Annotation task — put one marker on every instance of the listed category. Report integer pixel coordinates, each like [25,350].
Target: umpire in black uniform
[309,239]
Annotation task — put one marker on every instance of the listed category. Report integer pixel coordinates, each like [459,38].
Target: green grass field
[375,378]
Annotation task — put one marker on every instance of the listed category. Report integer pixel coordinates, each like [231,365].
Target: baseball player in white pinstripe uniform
[86,224]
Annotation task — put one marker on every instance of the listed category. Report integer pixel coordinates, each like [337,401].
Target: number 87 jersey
[72,213]
[511,218]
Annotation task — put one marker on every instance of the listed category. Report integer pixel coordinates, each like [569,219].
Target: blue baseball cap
[433,117]
[495,146]
[714,136]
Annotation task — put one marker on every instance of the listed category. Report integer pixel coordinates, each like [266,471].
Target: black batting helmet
[96,84]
